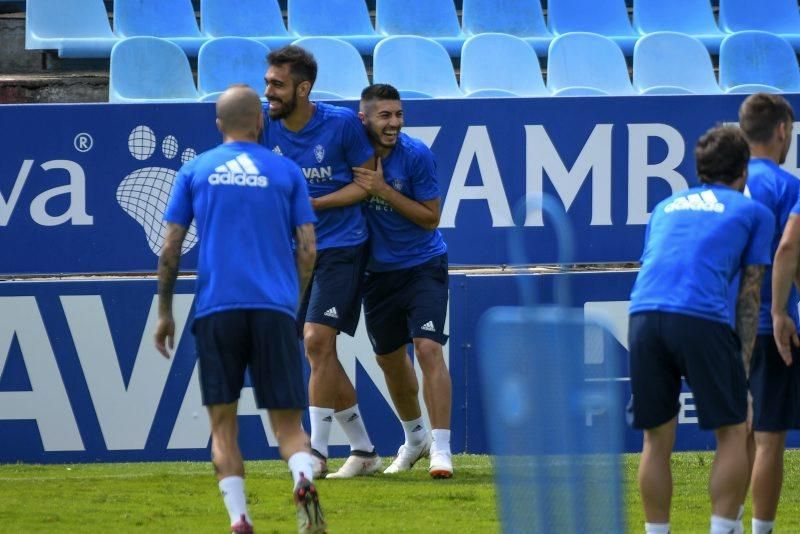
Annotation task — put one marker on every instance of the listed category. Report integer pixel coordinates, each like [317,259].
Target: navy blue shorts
[666,346]
[333,296]
[229,342]
[405,304]
[775,388]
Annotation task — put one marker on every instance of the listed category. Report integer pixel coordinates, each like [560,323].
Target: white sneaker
[359,463]
[320,466]
[441,464]
[408,455]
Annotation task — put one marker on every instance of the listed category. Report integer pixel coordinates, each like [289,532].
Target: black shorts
[405,304]
[666,346]
[775,388]
[264,341]
[333,296]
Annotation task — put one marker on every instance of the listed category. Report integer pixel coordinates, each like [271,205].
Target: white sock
[301,463]
[353,426]
[321,420]
[656,528]
[740,515]
[723,525]
[232,489]
[441,440]
[414,431]
[762,527]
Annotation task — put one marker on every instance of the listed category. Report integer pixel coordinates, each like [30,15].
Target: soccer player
[696,242]
[766,121]
[247,203]
[405,293]
[326,141]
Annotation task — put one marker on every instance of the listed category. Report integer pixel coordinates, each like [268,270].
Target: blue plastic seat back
[695,17]
[501,62]
[54,19]
[583,59]
[150,69]
[330,17]
[158,18]
[670,59]
[522,18]
[340,71]
[427,18]
[606,17]
[251,18]
[755,57]
[777,16]
[227,60]
[412,63]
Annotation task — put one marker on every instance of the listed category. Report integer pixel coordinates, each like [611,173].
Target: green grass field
[183,497]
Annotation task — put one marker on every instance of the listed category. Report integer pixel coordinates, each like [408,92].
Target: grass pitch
[183,497]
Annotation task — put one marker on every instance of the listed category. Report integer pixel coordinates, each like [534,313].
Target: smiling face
[281,91]
[383,120]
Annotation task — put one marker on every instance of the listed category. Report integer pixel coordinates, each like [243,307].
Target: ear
[219,124]
[362,117]
[304,88]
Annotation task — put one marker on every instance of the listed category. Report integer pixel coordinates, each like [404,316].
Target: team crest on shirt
[277,150]
[319,153]
[397,184]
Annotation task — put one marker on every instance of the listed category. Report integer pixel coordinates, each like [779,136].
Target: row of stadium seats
[492,65]
[80,28]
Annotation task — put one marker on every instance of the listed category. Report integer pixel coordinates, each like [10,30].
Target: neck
[300,116]
[242,137]
[382,151]
[770,152]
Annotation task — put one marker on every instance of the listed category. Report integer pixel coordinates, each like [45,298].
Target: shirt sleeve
[179,209]
[425,185]
[302,212]
[758,251]
[796,207]
[357,148]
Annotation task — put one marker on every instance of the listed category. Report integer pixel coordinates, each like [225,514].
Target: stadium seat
[435,19]
[346,19]
[227,60]
[693,17]
[606,17]
[776,16]
[672,63]
[416,66]
[754,61]
[150,69]
[498,64]
[582,63]
[257,19]
[169,19]
[341,71]
[76,28]
[521,18]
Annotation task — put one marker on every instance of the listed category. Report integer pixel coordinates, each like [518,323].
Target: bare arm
[305,254]
[168,264]
[346,196]
[747,306]
[784,269]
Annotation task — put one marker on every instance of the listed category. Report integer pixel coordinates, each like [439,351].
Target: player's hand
[165,336]
[785,332]
[371,181]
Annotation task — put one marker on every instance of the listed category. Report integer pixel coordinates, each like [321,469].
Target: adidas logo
[352,417]
[705,201]
[239,171]
[277,150]
[417,428]
[328,419]
[428,327]
[331,313]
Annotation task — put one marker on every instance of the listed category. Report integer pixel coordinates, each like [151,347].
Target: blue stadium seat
[693,17]
[76,28]
[672,63]
[170,19]
[257,19]
[435,19]
[227,60]
[498,64]
[522,18]
[416,66]
[606,17]
[582,63]
[346,19]
[341,71]
[775,16]
[150,69]
[753,61]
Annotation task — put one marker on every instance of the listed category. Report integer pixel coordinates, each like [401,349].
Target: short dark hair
[721,155]
[379,91]
[761,113]
[302,65]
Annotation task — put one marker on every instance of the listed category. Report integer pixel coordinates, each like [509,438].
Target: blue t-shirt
[326,149]
[696,242]
[247,203]
[778,191]
[398,243]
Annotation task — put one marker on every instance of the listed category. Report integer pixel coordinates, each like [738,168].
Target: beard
[375,137]
[286,108]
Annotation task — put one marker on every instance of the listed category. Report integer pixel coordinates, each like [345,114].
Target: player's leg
[728,479]
[767,479]
[655,474]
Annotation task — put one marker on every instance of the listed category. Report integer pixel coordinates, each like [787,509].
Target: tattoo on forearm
[747,308]
[168,264]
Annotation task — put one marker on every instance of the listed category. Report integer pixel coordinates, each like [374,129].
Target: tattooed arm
[305,255]
[747,306]
[167,274]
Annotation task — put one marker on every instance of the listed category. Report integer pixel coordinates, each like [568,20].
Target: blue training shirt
[778,191]
[247,203]
[696,242]
[326,149]
[398,243]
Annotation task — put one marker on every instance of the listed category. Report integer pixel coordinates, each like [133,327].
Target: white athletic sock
[353,426]
[301,463]
[441,440]
[232,489]
[723,525]
[414,431]
[321,420]
[656,528]
[762,527]
[740,515]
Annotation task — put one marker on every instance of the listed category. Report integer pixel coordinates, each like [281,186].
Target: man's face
[787,141]
[281,91]
[383,120]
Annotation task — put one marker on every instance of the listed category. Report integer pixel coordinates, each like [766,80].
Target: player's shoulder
[333,113]
[414,148]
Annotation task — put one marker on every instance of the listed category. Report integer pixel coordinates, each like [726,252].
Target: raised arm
[305,254]
[168,264]
[784,270]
